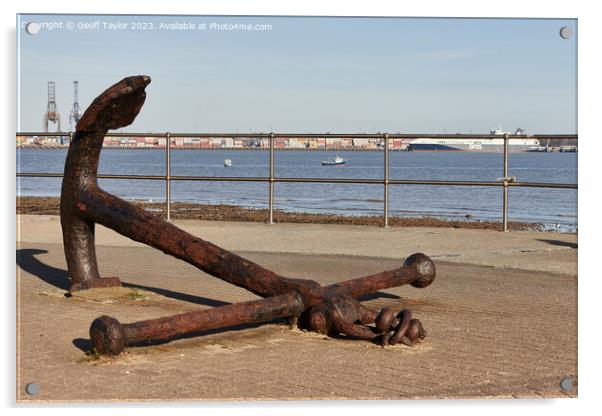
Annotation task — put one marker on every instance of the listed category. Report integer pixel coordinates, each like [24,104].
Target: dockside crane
[51,114]
[76,113]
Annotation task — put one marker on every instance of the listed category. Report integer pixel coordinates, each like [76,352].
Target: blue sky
[312,74]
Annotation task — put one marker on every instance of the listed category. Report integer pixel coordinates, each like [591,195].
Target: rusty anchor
[332,310]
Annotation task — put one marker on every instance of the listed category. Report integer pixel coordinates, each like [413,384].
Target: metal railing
[505,182]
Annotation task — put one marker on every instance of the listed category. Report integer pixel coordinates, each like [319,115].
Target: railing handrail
[505,182]
[308,180]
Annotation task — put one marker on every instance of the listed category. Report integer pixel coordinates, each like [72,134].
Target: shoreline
[211,212]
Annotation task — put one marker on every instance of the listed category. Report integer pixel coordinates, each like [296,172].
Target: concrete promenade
[501,317]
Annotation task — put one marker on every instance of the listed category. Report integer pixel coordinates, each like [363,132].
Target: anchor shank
[139,225]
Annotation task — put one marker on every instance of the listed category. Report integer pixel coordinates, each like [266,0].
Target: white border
[590,146]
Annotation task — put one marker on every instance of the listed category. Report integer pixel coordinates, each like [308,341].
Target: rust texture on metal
[333,310]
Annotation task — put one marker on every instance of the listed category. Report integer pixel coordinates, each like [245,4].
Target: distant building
[227,142]
[280,142]
[296,143]
[399,144]
[360,143]
[51,141]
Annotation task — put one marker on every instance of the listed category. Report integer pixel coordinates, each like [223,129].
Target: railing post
[167,176]
[271,197]
[505,190]
[386,183]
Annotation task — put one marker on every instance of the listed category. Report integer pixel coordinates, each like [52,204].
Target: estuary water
[555,208]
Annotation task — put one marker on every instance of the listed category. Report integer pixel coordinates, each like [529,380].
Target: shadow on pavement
[59,278]
[559,243]
[82,344]
[378,295]
[184,297]
[26,260]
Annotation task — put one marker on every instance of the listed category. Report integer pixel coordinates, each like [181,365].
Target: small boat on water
[338,160]
[227,163]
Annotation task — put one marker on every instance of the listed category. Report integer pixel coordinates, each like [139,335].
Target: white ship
[338,160]
[476,145]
